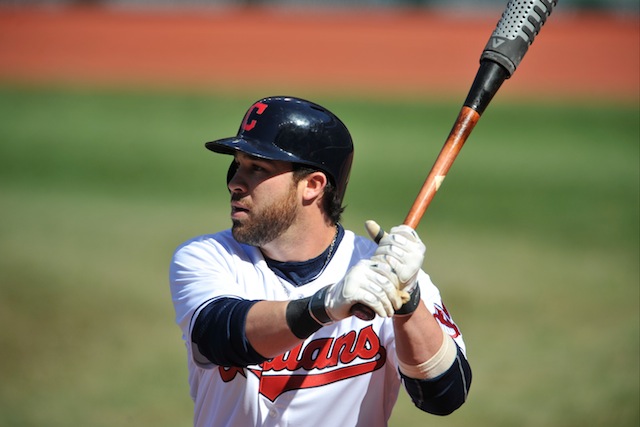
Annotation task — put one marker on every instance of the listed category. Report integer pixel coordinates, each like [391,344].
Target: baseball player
[266,307]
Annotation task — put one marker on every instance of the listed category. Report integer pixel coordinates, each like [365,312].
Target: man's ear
[315,183]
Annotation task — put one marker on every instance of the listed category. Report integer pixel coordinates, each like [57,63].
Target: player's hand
[403,251]
[369,283]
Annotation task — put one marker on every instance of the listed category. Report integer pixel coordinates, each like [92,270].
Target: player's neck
[301,242]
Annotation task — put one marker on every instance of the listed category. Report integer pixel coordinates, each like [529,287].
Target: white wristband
[436,365]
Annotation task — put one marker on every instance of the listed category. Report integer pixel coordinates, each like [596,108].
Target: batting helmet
[294,130]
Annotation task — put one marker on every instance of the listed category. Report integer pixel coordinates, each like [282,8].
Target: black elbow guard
[444,394]
[219,333]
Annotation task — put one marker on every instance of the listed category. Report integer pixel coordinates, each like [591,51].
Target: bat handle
[488,80]
[466,121]
[515,32]
[464,124]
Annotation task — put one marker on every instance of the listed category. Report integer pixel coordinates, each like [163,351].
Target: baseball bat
[518,26]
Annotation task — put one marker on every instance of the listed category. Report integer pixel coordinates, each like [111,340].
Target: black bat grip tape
[518,26]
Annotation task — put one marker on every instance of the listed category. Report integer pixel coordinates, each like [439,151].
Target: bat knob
[375,231]
[362,312]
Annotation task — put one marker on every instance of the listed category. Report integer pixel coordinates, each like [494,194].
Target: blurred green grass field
[533,240]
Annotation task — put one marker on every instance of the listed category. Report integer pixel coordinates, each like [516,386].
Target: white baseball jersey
[345,374]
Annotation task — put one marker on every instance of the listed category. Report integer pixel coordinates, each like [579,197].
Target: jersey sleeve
[433,300]
[199,274]
[447,392]
[430,295]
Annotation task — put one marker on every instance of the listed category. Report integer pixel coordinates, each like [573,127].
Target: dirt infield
[384,52]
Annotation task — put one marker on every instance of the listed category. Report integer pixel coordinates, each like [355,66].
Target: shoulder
[207,246]
[363,247]
[203,243]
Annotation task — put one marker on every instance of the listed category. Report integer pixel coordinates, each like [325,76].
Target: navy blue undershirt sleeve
[219,333]
[444,394]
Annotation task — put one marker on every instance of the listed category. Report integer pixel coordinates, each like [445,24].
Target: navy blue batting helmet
[294,130]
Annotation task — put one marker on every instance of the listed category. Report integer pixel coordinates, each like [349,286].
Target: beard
[268,223]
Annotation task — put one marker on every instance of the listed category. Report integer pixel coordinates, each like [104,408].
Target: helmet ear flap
[233,168]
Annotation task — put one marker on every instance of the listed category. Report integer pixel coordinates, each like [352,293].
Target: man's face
[264,199]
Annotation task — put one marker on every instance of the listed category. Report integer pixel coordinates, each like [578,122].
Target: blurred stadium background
[533,239]
[620,5]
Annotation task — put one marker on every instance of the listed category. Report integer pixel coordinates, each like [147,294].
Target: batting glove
[403,251]
[368,282]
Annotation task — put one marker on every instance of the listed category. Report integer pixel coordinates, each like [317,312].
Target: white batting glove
[369,283]
[403,251]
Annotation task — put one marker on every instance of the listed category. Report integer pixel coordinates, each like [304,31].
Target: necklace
[331,246]
[329,253]
[301,273]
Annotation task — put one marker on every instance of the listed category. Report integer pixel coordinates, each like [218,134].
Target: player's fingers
[407,232]
[403,237]
[403,255]
[369,283]
[391,250]
[382,266]
[371,300]
[383,282]
[401,272]
[386,268]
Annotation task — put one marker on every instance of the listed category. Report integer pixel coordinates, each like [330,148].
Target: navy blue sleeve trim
[220,335]
[444,394]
